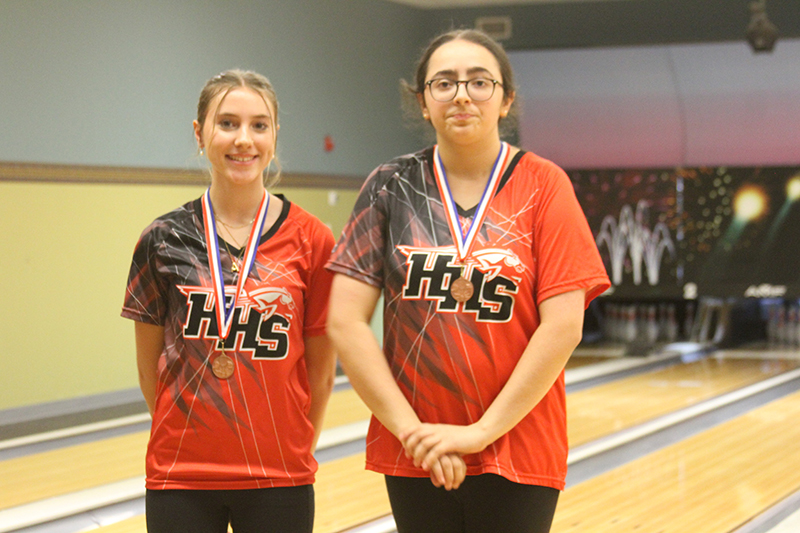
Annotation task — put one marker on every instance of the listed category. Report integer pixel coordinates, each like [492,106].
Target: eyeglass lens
[479,89]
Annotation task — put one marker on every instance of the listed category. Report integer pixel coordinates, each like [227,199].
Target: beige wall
[64,262]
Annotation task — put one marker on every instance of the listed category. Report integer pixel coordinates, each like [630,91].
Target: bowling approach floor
[684,440]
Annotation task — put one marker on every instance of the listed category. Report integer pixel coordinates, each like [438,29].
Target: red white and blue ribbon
[464,243]
[224,310]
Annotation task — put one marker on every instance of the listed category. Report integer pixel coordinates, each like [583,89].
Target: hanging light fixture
[761,33]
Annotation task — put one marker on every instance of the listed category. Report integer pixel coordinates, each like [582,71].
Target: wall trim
[69,406]
[59,173]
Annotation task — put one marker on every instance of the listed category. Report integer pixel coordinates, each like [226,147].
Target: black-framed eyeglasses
[445,89]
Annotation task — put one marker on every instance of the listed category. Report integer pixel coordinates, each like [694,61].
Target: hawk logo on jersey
[431,271]
[257,326]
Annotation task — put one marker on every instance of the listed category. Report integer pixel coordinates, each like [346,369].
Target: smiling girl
[229,298]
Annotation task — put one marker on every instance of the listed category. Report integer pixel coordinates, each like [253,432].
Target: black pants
[272,510]
[482,504]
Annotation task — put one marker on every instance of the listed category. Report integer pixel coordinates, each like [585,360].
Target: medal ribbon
[464,243]
[224,311]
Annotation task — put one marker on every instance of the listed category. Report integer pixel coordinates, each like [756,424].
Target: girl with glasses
[486,263]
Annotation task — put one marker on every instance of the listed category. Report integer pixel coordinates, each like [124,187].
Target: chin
[241,180]
[462,136]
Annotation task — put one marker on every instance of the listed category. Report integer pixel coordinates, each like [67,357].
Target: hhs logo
[431,271]
[260,323]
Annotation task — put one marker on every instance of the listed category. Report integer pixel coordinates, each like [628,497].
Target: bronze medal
[461,289]
[223,367]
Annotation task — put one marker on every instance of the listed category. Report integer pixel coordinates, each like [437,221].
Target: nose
[461,96]
[243,138]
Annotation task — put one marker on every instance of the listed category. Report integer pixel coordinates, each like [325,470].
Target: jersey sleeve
[360,251]
[566,254]
[145,293]
[319,281]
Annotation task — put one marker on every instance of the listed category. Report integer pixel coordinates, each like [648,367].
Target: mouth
[461,116]
[241,158]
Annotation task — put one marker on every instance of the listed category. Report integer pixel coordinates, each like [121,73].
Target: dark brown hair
[410,92]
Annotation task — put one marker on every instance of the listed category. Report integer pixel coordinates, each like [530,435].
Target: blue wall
[115,82]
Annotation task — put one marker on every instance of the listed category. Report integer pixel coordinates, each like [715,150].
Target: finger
[410,441]
[416,445]
[418,453]
[432,457]
[418,432]
[410,445]
[437,475]
[459,470]
[446,463]
[423,450]
[409,431]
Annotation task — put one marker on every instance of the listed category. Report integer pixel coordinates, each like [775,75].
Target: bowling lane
[623,403]
[348,495]
[44,475]
[91,464]
[340,483]
[345,407]
[712,482]
[134,524]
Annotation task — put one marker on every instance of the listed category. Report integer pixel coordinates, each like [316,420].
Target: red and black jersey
[451,359]
[251,430]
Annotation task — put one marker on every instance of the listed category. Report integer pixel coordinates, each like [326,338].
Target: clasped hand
[438,449]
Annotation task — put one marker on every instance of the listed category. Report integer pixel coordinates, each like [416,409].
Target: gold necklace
[234,260]
[236,227]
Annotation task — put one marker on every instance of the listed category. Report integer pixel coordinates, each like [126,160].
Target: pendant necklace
[235,260]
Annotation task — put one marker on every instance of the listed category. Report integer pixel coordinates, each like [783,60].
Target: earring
[202,152]
[425,115]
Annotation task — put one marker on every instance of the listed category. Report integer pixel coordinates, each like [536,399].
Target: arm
[149,345]
[541,363]
[351,307]
[321,367]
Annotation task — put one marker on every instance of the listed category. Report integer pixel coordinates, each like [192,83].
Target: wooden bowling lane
[134,524]
[345,407]
[712,482]
[623,403]
[348,495]
[92,464]
[345,491]
[44,475]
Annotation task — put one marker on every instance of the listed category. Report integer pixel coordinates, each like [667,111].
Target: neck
[469,162]
[236,205]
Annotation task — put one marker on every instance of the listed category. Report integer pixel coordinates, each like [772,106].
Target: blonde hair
[229,80]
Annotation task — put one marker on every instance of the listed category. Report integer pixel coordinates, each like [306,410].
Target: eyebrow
[237,116]
[470,72]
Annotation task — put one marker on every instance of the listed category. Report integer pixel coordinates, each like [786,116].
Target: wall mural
[690,232]
[630,238]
